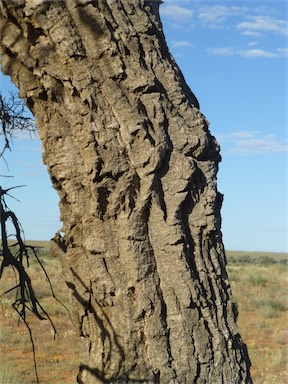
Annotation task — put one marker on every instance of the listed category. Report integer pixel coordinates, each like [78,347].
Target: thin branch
[49,282]
[14,255]
[33,348]
[13,120]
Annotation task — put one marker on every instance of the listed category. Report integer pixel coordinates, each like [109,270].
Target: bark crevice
[135,166]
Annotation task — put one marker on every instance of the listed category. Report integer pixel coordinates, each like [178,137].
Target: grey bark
[135,166]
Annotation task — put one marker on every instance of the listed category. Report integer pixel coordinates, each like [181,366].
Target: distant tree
[135,166]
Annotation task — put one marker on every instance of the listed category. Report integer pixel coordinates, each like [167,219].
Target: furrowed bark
[135,167]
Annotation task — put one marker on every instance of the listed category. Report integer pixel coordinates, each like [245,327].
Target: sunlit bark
[135,166]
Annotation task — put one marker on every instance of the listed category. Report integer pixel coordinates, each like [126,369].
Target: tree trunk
[135,166]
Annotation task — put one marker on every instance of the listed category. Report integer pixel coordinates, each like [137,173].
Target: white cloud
[258,54]
[265,145]
[30,149]
[247,53]
[240,135]
[249,20]
[264,24]
[217,14]
[182,44]
[176,13]
[253,142]
[253,43]
[179,2]
[244,134]
[226,51]
[251,34]
[25,135]
[283,52]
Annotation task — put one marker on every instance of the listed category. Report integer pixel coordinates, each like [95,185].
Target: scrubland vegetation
[260,286]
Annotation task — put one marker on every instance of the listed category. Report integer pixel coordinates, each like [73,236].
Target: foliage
[259,258]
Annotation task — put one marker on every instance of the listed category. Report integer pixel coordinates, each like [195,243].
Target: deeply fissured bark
[135,166]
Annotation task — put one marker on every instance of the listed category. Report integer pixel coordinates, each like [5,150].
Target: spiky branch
[14,253]
[13,119]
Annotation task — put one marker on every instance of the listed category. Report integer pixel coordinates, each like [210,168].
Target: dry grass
[259,283]
[261,292]
[57,361]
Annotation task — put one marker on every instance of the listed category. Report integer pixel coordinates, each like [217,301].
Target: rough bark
[135,166]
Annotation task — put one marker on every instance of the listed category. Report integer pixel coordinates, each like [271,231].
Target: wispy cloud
[251,34]
[250,21]
[182,44]
[217,14]
[34,169]
[247,53]
[253,43]
[260,24]
[224,51]
[265,145]
[178,2]
[243,134]
[247,20]
[253,142]
[25,135]
[283,52]
[30,148]
[177,13]
[258,54]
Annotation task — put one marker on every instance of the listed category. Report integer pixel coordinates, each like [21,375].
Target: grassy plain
[260,285]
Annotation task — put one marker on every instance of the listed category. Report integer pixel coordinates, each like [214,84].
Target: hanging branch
[13,119]
[25,299]
[16,255]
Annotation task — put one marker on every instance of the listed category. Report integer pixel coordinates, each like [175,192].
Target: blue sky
[233,55]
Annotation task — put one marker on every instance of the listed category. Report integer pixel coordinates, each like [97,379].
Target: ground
[259,284]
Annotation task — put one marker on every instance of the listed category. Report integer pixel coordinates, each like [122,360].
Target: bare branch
[15,255]
[13,119]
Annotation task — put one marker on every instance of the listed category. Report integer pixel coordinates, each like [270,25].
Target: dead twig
[16,255]
[13,120]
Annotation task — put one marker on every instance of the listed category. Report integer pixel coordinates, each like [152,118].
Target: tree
[135,167]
